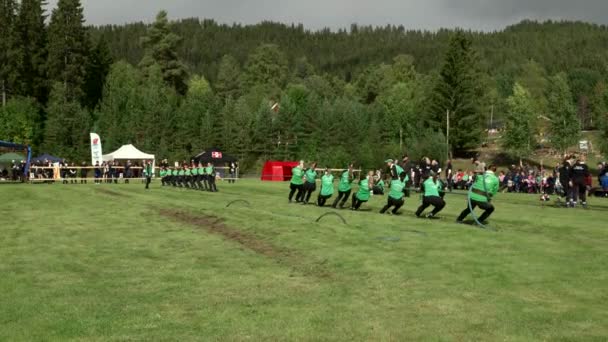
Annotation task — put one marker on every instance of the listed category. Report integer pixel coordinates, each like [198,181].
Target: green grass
[114,262]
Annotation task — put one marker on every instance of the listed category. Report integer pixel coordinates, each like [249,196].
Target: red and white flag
[96,153]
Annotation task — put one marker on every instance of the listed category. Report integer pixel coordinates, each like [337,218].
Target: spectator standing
[148,171]
[83,173]
[98,171]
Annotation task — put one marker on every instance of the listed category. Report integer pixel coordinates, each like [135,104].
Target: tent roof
[9,157]
[127,152]
[48,157]
[214,155]
[12,145]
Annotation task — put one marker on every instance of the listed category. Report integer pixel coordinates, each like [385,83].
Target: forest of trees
[174,88]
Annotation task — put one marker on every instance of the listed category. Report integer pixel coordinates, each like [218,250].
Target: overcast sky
[316,14]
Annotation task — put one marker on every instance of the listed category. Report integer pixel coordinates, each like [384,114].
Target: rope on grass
[237,201]
[331,214]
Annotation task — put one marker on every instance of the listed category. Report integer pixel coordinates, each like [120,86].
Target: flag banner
[96,152]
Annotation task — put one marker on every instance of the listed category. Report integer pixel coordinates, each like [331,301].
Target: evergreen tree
[160,46]
[156,126]
[267,69]
[228,77]
[457,91]
[263,135]
[195,119]
[565,128]
[32,35]
[374,81]
[533,78]
[303,69]
[98,67]
[519,131]
[10,49]
[120,107]
[66,132]
[68,48]
[599,102]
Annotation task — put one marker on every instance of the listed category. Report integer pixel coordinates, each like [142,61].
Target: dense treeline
[278,91]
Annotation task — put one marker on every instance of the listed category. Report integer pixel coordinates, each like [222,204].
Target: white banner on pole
[96,152]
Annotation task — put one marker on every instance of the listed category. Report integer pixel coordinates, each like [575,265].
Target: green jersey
[380,185]
[431,188]
[397,170]
[175,172]
[296,176]
[490,188]
[327,185]
[187,173]
[363,193]
[345,182]
[209,170]
[181,172]
[397,187]
[201,170]
[194,171]
[311,175]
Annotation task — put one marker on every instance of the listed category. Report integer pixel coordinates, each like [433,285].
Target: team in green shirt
[344,187]
[297,183]
[485,187]
[433,195]
[196,177]
[303,184]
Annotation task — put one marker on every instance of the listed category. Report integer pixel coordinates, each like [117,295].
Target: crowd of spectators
[13,172]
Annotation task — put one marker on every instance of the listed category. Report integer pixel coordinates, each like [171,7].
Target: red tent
[278,171]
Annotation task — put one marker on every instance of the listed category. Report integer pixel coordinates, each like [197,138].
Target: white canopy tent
[128,152]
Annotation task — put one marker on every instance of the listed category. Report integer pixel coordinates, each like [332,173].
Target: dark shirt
[579,173]
[564,173]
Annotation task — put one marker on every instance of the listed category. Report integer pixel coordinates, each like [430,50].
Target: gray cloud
[315,14]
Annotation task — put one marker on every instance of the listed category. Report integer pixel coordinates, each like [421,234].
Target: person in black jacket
[578,175]
[127,173]
[83,173]
[564,179]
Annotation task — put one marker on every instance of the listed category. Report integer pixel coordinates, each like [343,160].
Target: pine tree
[228,78]
[68,48]
[120,106]
[67,126]
[156,126]
[10,50]
[266,68]
[32,33]
[195,119]
[533,77]
[520,128]
[565,128]
[457,91]
[98,67]
[160,46]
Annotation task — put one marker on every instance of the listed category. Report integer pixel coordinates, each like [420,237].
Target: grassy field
[114,262]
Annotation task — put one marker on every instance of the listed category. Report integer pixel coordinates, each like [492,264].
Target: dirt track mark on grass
[111,192]
[284,256]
